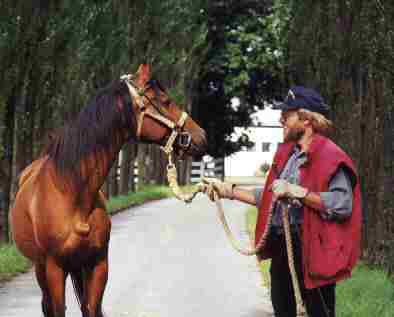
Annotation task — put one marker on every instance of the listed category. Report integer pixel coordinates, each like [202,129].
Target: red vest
[330,249]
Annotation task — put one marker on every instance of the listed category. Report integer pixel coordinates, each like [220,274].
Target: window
[252,148]
[266,146]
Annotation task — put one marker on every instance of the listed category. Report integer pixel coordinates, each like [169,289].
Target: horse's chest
[87,249]
[98,240]
[92,245]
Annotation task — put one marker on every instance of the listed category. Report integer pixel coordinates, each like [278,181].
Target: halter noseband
[138,94]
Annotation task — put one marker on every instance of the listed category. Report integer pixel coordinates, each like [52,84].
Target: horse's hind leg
[96,281]
[56,280]
[46,305]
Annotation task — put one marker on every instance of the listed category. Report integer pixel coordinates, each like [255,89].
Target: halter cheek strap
[168,148]
[138,95]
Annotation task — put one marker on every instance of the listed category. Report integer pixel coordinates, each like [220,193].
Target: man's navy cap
[300,97]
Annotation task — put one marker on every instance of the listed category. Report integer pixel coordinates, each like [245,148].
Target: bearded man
[326,226]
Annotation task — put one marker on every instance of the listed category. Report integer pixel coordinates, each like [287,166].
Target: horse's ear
[143,73]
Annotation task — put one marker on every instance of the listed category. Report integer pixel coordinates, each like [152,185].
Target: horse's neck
[103,163]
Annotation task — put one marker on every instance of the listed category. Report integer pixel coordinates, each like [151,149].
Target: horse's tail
[77,281]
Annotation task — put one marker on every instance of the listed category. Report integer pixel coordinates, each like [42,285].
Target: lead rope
[290,256]
[234,242]
[172,177]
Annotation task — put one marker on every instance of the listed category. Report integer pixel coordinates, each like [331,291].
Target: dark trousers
[319,302]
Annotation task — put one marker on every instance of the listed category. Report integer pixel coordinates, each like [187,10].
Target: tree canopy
[243,68]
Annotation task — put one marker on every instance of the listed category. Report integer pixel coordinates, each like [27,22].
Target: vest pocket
[327,257]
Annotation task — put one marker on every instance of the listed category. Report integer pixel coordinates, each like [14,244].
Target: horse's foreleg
[56,278]
[40,269]
[95,285]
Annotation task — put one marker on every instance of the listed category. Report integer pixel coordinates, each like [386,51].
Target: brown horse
[59,219]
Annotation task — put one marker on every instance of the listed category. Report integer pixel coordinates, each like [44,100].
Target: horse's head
[160,120]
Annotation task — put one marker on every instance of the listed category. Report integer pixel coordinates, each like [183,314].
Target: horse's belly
[23,234]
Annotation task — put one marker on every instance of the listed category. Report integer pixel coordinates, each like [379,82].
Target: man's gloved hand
[214,185]
[284,189]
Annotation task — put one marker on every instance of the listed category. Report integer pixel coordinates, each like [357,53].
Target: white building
[266,134]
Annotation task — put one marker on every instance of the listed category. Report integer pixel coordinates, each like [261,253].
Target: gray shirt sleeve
[258,191]
[338,201]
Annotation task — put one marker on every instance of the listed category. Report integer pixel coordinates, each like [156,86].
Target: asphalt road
[167,259]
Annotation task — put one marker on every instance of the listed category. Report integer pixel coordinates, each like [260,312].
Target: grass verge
[368,293]
[13,263]
[251,217]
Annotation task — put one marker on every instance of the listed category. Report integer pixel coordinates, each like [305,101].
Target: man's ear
[308,123]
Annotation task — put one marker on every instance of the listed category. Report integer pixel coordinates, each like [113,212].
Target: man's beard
[294,134]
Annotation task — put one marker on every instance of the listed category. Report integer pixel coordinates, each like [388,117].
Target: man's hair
[320,123]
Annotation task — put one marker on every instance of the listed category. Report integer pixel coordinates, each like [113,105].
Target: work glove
[283,189]
[214,185]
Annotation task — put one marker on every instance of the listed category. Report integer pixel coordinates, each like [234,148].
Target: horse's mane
[93,131]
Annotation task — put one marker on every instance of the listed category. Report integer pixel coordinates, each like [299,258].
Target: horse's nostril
[204,142]
[203,136]
[199,144]
[205,139]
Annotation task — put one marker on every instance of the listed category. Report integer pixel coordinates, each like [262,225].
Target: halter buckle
[184,140]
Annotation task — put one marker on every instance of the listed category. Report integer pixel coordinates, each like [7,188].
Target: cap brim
[283,106]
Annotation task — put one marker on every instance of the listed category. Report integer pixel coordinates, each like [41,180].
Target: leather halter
[152,111]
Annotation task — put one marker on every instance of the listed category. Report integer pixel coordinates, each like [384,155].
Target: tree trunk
[125,170]
[113,179]
[159,172]
[144,164]
[127,183]
[184,168]
[6,166]
[105,188]
[22,136]
[133,167]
